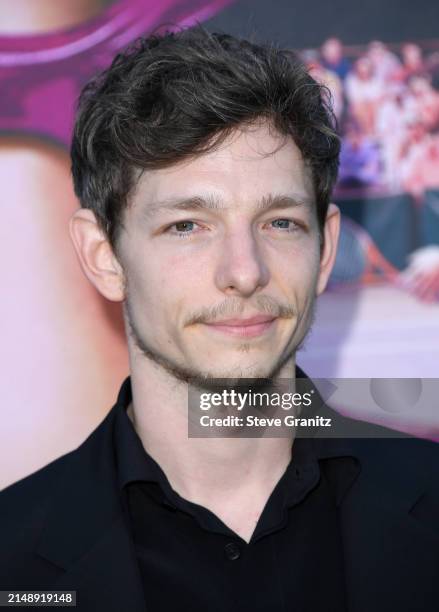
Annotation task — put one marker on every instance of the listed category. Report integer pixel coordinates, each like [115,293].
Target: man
[204,166]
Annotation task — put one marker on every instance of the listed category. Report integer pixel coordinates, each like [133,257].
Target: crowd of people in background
[386,101]
[387,106]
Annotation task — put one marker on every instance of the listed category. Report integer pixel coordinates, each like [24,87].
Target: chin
[240,371]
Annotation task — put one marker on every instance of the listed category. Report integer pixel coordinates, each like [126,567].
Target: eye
[285,225]
[182,229]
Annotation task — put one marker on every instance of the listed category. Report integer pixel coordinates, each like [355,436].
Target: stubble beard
[208,379]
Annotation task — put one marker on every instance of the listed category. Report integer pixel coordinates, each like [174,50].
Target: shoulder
[31,494]
[399,459]
[392,465]
[50,500]
[32,489]
[381,446]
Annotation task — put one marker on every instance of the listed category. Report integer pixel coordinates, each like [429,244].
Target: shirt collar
[135,464]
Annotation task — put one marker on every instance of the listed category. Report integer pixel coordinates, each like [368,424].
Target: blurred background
[63,347]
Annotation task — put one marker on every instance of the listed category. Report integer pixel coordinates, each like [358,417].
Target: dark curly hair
[177,95]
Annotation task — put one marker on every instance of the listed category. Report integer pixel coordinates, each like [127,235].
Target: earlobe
[96,256]
[329,251]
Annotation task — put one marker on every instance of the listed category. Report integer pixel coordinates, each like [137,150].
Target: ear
[331,232]
[96,256]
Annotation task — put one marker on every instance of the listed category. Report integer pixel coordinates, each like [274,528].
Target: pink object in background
[63,345]
[41,75]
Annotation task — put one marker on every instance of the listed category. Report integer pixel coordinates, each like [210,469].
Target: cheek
[188,273]
[146,289]
[168,289]
[297,274]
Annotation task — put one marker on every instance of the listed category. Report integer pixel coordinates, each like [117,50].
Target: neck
[200,469]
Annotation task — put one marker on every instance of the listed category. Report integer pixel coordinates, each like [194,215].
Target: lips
[250,327]
[244,322]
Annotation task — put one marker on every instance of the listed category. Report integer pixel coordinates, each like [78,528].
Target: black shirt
[190,560]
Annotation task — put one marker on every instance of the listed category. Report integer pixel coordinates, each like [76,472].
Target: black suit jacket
[62,528]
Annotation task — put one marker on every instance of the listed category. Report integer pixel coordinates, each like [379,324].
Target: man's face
[212,243]
[332,50]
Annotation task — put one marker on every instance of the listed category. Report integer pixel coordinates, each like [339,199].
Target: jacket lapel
[390,550]
[85,532]
[391,558]
[107,576]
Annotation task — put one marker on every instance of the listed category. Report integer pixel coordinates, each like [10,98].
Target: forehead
[250,165]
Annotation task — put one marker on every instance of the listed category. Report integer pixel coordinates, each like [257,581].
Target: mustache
[233,307]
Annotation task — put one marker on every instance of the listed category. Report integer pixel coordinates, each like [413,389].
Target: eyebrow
[212,202]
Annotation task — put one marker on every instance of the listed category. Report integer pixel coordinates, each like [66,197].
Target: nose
[241,269]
